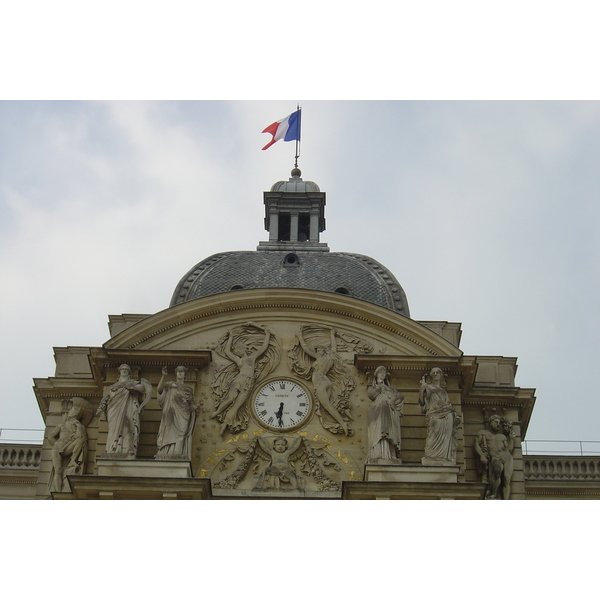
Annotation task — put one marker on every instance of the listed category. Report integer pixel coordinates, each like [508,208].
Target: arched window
[291,260]
[342,290]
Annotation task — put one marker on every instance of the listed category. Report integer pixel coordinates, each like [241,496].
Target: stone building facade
[286,372]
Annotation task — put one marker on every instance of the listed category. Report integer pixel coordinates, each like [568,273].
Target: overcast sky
[486,212]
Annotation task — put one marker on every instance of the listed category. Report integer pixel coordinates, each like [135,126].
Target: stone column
[314,226]
[273,226]
[294,227]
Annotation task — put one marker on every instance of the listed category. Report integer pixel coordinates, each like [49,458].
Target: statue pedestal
[111,467]
[411,474]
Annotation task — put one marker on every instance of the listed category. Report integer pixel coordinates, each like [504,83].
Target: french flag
[287,129]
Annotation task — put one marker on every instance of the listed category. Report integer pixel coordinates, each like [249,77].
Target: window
[342,290]
[304,227]
[284,227]
[291,260]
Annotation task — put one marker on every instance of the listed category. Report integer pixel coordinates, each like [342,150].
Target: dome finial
[296,172]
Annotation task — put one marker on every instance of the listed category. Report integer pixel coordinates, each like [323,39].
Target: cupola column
[273,226]
[314,226]
[294,227]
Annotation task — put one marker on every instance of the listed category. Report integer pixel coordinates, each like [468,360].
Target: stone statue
[69,441]
[286,457]
[442,421]
[494,447]
[123,405]
[315,356]
[252,351]
[178,416]
[280,452]
[383,419]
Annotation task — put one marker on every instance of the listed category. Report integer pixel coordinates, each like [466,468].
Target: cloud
[484,211]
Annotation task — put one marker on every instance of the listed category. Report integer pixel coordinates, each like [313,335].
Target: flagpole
[298,141]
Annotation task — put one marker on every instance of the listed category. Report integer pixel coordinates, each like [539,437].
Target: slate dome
[294,257]
[353,275]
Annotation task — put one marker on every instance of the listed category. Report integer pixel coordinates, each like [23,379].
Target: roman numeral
[282,385]
[263,413]
[299,413]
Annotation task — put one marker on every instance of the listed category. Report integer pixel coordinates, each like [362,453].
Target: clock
[282,405]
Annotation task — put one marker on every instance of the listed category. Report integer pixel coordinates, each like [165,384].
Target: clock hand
[279,414]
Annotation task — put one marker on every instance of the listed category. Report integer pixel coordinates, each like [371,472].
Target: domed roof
[295,184]
[354,275]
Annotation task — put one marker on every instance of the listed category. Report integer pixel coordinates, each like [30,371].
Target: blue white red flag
[287,129]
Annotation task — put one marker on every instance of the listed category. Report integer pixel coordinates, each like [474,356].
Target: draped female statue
[383,418]
[442,421]
[178,416]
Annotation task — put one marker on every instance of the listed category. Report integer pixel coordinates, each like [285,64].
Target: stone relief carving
[253,352]
[289,461]
[281,470]
[494,449]
[69,443]
[383,419]
[442,420]
[315,356]
[123,406]
[178,416]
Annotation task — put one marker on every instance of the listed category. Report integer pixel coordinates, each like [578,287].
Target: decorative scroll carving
[69,443]
[123,406]
[442,420]
[494,448]
[178,417]
[383,419]
[289,460]
[253,352]
[315,356]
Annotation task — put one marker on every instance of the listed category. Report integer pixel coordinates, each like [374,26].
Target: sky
[486,211]
[475,183]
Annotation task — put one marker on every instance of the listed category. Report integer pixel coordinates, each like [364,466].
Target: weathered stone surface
[122,406]
[108,467]
[176,400]
[383,419]
[442,421]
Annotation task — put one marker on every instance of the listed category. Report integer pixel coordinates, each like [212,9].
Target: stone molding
[411,473]
[90,487]
[195,315]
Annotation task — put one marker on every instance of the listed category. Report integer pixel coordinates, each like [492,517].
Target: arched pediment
[193,325]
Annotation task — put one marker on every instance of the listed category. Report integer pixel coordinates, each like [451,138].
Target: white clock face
[282,405]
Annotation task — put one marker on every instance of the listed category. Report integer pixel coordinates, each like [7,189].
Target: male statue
[69,441]
[494,447]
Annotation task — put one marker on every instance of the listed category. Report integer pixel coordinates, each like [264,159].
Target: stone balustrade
[20,456]
[561,468]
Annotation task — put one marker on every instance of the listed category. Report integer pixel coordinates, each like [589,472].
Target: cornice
[102,359]
[282,299]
